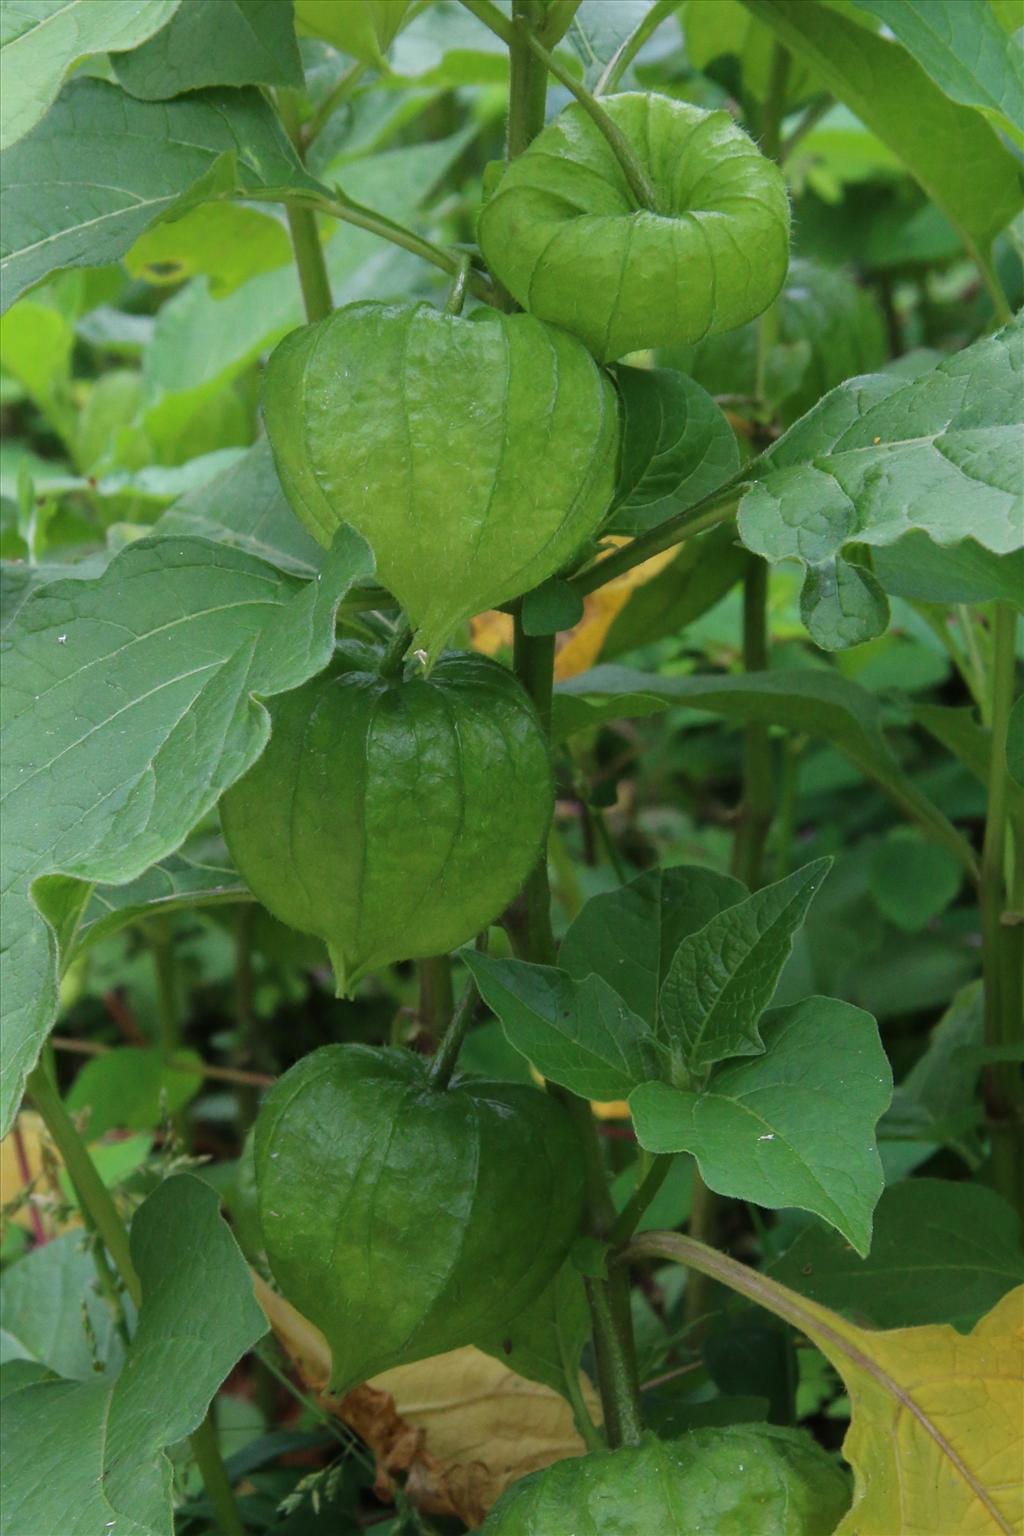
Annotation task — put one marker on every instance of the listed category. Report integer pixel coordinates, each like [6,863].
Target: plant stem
[309,253]
[198,1068]
[716,508]
[811,118]
[615,1371]
[775,105]
[437,1002]
[703,1229]
[758,798]
[1002,1028]
[639,1200]
[215,1478]
[620,62]
[789,800]
[93,1193]
[97,1201]
[393,655]
[447,1054]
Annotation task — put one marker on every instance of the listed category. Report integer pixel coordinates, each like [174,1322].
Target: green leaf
[912,881]
[941,1253]
[551,607]
[676,447]
[954,154]
[629,936]
[54,1314]
[724,28]
[228,242]
[179,882]
[722,977]
[245,508]
[215,42]
[130,704]
[818,703]
[878,458]
[916,568]
[792,1127]
[599,34]
[132,1089]
[963,48]
[80,1457]
[102,167]
[546,1341]
[41,39]
[935,1102]
[363,28]
[579,1034]
[563,231]
[842,604]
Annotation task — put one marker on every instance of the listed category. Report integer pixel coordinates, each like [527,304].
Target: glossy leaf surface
[579,1034]
[486,460]
[41,39]
[722,977]
[389,1244]
[794,1126]
[101,168]
[128,708]
[82,1457]
[761,1481]
[563,233]
[215,42]
[393,818]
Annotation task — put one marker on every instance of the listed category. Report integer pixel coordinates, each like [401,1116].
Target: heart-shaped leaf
[792,1127]
[487,458]
[563,232]
[390,1244]
[215,42]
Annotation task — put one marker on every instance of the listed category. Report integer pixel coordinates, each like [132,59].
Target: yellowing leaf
[937,1417]
[458,1427]
[577,648]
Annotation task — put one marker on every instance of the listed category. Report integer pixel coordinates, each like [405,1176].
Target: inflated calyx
[563,231]
[474,456]
[393,817]
[404,1220]
[745,1480]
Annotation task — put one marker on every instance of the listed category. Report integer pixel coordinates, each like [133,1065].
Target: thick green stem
[437,1001]
[94,1195]
[309,253]
[447,1054]
[615,1372]
[97,1202]
[392,659]
[758,796]
[1003,1026]
[627,1220]
[708,513]
[335,96]
[215,1478]
[704,1209]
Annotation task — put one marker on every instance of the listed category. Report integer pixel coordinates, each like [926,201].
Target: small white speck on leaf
[770,1137]
[421,657]
[62,639]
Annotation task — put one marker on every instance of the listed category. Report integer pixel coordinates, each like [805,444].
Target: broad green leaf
[180,882]
[879,458]
[937,1420]
[965,50]
[54,1314]
[794,1126]
[716,28]
[965,572]
[940,1253]
[952,151]
[363,28]
[87,1457]
[629,936]
[131,703]
[228,242]
[600,33]
[580,1034]
[245,508]
[132,1089]
[201,342]
[444,45]
[102,167]
[818,703]
[912,880]
[545,1342]
[41,39]
[215,42]
[36,342]
[722,977]
[703,571]
[935,1102]
[676,447]
[822,315]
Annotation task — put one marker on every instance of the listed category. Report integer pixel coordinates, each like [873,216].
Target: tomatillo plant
[512,750]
